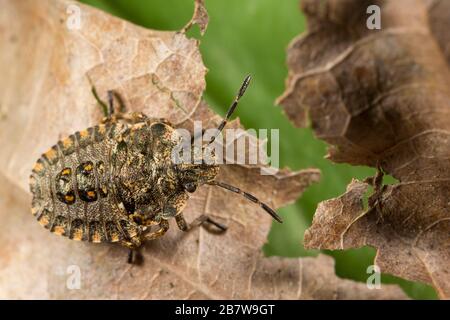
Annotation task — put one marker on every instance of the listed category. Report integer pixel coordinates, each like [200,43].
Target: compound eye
[190,187]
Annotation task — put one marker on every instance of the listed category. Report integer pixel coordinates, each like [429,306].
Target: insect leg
[133,255]
[130,256]
[200,220]
[163,227]
[122,107]
[134,243]
[110,103]
[111,95]
[132,117]
[197,136]
[108,109]
[99,101]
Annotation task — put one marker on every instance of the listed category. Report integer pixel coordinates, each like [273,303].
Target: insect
[116,182]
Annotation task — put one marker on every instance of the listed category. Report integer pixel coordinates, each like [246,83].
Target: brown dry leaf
[196,265]
[200,17]
[381,98]
[45,94]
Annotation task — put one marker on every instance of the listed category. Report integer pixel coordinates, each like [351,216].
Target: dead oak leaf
[45,94]
[381,98]
[181,266]
[157,72]
[200,17]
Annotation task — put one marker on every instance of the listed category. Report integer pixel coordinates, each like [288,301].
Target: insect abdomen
[72,194]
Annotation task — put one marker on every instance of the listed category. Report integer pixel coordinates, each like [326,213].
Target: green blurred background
[251,37]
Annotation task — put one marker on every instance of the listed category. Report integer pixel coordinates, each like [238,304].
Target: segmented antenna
[248,196]
[232,108]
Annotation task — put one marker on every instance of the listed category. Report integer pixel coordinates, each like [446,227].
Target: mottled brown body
[118,181]
[114,182]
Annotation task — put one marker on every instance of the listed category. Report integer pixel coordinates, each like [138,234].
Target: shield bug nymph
[116,181]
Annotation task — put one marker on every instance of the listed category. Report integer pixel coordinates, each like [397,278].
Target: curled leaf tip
[200,17]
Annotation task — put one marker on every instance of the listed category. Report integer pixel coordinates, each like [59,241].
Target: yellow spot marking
[96,237]
[67,143]
[38,167]
[34,211]
[91,194]
[43,221]
[66,172]
[114,237]
[59,230]
[69,198]
[78,234]
[84,134]
[50,154]
[88,167]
